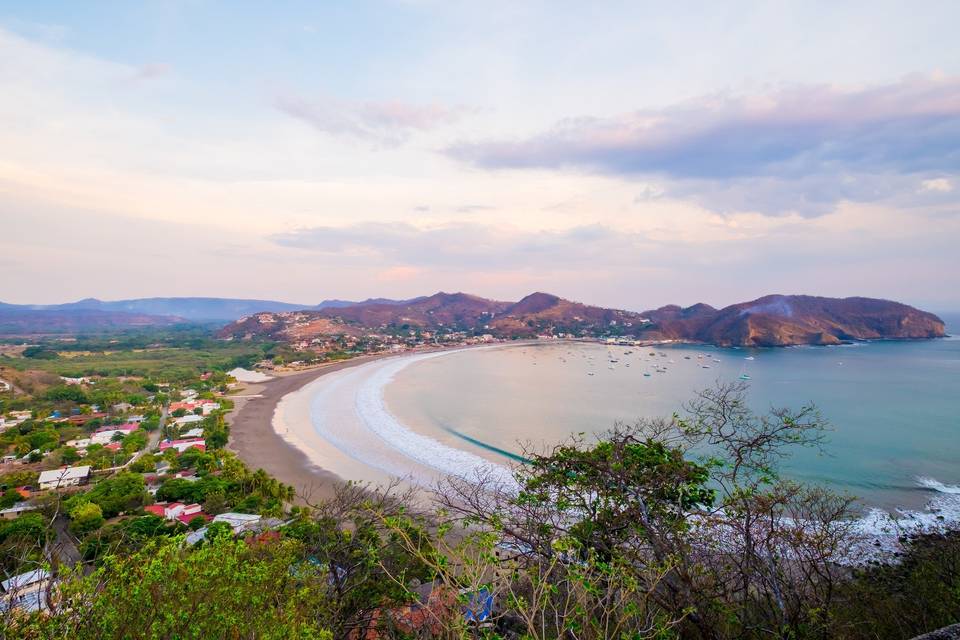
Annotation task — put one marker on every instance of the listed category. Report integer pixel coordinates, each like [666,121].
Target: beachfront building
[65,477]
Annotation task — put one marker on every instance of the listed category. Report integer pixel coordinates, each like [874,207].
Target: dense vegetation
[172,354]
[674,528]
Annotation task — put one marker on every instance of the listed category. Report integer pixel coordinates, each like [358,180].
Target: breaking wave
[425,450]
[935,485]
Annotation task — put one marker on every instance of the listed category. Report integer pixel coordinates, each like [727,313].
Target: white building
[238,521]
[196,432]
[188,419]
[66,477]
[104,435]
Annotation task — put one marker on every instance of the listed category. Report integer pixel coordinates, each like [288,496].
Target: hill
[776,320]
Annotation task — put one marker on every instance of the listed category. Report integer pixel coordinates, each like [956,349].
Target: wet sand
[253,438]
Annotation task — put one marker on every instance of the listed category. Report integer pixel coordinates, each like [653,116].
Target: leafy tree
[225,589]
[85,518]
[69,455]
[124,492]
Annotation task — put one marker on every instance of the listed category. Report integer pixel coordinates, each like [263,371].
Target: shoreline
[254,440]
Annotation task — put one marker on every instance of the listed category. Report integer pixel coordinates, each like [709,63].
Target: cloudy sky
[617,154]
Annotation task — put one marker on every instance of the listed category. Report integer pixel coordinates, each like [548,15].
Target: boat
[744,376]
[589,373]
[749,358]
[646,374]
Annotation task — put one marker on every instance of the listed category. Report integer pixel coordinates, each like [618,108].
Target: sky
[623,154]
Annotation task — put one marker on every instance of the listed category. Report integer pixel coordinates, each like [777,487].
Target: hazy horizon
[618,155]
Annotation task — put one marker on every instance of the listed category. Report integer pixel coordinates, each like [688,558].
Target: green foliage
[71,393]
[29,526]
[40,353]
[85,517]
[124,492]
[226,589]
[615,487]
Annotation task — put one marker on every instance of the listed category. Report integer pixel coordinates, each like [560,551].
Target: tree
[224,589]
[124,492]
[85,518]
[69,455]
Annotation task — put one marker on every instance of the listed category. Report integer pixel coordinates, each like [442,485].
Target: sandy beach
[254,439]
[272,429]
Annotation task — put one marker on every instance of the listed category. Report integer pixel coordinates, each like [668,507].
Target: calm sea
[894,406]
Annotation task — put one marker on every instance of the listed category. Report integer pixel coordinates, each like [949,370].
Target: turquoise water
[894,406]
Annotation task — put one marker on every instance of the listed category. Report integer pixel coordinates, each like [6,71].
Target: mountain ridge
[773,320]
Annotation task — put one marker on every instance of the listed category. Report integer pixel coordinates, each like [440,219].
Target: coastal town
[96,460]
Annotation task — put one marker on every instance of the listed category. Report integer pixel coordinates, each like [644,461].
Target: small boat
[749,358]
[705,366]
[744,376]
[646,374]
[589,373]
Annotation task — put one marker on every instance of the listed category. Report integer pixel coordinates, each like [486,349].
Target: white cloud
[939,185]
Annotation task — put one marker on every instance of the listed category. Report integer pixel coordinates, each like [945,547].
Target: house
[113,446]
[26,591]
[188,419]
[176,511]
[17,510]
[84,418]
[79,443]
[65,477]
[238,521]
[121,407]
[205,406]
[183,445]
[196,432]
[24,491]
[105,434]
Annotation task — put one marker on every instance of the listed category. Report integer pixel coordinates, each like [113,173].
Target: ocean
[893,407]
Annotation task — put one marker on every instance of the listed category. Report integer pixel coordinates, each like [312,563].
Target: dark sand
[253,439]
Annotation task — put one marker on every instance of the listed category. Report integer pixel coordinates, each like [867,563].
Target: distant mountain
[29,322]
[190,309]
[775,320]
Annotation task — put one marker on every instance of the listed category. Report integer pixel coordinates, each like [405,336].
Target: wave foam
[423,449]
[936,485]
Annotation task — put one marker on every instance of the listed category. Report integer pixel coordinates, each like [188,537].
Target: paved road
[66,544]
